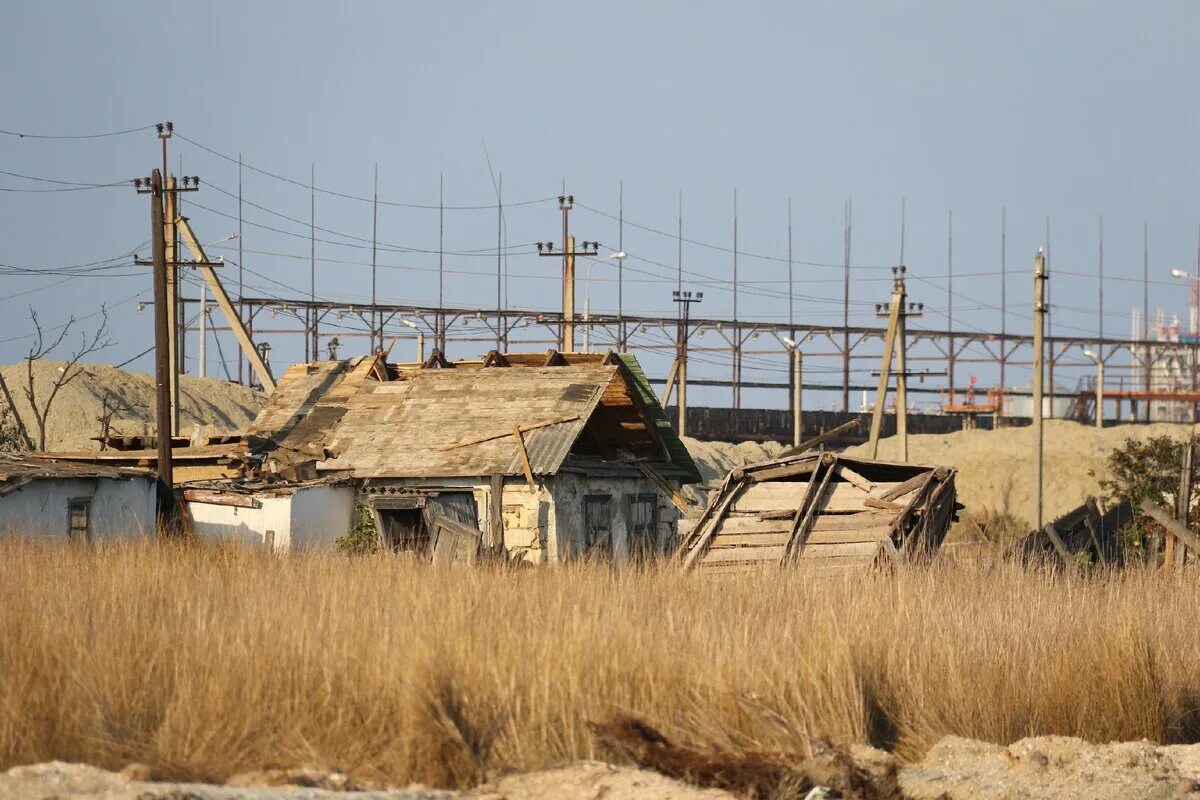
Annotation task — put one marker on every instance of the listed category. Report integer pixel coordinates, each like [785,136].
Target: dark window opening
[79,519]
[404,530]
[597,525]
[642,515]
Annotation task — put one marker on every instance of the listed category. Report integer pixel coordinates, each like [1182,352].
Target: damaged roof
[16,470]
[457,419]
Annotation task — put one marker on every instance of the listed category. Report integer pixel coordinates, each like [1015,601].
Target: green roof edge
[676,449]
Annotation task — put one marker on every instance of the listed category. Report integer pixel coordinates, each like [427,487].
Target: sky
[1050,115]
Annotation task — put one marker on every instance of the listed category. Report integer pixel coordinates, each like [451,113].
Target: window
[597,524]
[642,516]
[79,519]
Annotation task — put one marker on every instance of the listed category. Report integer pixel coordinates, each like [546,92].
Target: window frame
[588,546]
[654,544]
[86,504]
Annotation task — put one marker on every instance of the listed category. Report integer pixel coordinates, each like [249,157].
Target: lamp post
[620,256]
[1193,327]
[1099,362]
[420,338]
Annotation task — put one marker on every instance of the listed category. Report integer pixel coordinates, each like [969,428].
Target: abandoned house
[303,515]
[46,499]
[549,456]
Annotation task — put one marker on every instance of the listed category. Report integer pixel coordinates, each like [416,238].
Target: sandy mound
[996,467]
[208,405]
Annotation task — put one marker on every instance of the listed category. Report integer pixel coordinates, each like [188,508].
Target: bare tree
[111,406]
[87,345]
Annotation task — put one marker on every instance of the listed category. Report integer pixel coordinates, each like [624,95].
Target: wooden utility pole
[566,202]
[885,370]
[162,341]
[1039,354]
[895,344]
[797,392]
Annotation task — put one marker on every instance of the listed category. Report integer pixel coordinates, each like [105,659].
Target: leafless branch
[71,370]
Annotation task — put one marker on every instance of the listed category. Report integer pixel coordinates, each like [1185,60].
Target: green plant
[1148,469]
[363,538]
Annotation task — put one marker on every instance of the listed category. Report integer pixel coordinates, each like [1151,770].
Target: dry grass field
[207,662]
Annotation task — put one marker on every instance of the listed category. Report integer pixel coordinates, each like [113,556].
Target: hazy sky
[1063,110]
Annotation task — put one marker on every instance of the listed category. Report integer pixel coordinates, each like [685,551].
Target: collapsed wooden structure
[1086,534]
[825,510]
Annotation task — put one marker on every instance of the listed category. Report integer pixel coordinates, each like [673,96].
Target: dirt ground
[207,405]
[1048,768]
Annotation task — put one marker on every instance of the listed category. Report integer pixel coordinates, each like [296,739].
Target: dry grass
[203,662]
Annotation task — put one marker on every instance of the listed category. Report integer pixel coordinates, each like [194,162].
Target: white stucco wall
[312,517]
[120,509]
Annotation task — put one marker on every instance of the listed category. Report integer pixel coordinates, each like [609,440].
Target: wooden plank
[850,522]
[808,510]
[516,432]
[813,550]
[785,471]
[714,514]
[1053,536]
[885,505]
[898,489]
[664,486]
[1164,518]
[819,440]
[854,478]
[781,496]
[753,525]
[491,437]
[496,513]
[758,539]
[847,537]
[221,498]
[724,555]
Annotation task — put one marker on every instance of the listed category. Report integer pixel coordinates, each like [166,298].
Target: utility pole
[950,354]
[849,215]
[1039,332]
[797,395]
[1003,308]
[163,340]
[897,313]
[566,202]
[170,255]
[376,333]
[684,300]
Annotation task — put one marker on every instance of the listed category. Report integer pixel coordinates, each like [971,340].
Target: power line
[21,135]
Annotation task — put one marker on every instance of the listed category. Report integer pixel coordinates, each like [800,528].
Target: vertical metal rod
[1100,328]
[797,396]
[310,346]
[1050,323]
[903,226]
[499,261]
[201,366]
[1146,311]
[1003,306]
[793,386]
[440,334]
[1039,326]
[679,241]
[376,333]
[950,302]
[848,213]
[737,332]
[241,274]
[621,267]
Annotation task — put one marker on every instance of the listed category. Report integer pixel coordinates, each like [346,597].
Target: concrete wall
[311,517]
[120,509]
[568,491]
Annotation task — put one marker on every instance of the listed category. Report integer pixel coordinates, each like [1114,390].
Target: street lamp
[1099,362]
[420,338]
[619,257]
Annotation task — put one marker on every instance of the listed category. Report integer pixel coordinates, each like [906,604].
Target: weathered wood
[723,555]
[496,513]
[849,522]
[888,548]
[756,539]
[854,478]
[786,471]
[221,498]
[1057,541]
[809,444]
[1172,526]
[730,494]
[813,550]
[522,428]
[779,495]
[847,537]
[883,505]
[806,513]
[900,489]
[673,494]
[755,525]
[516,433]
